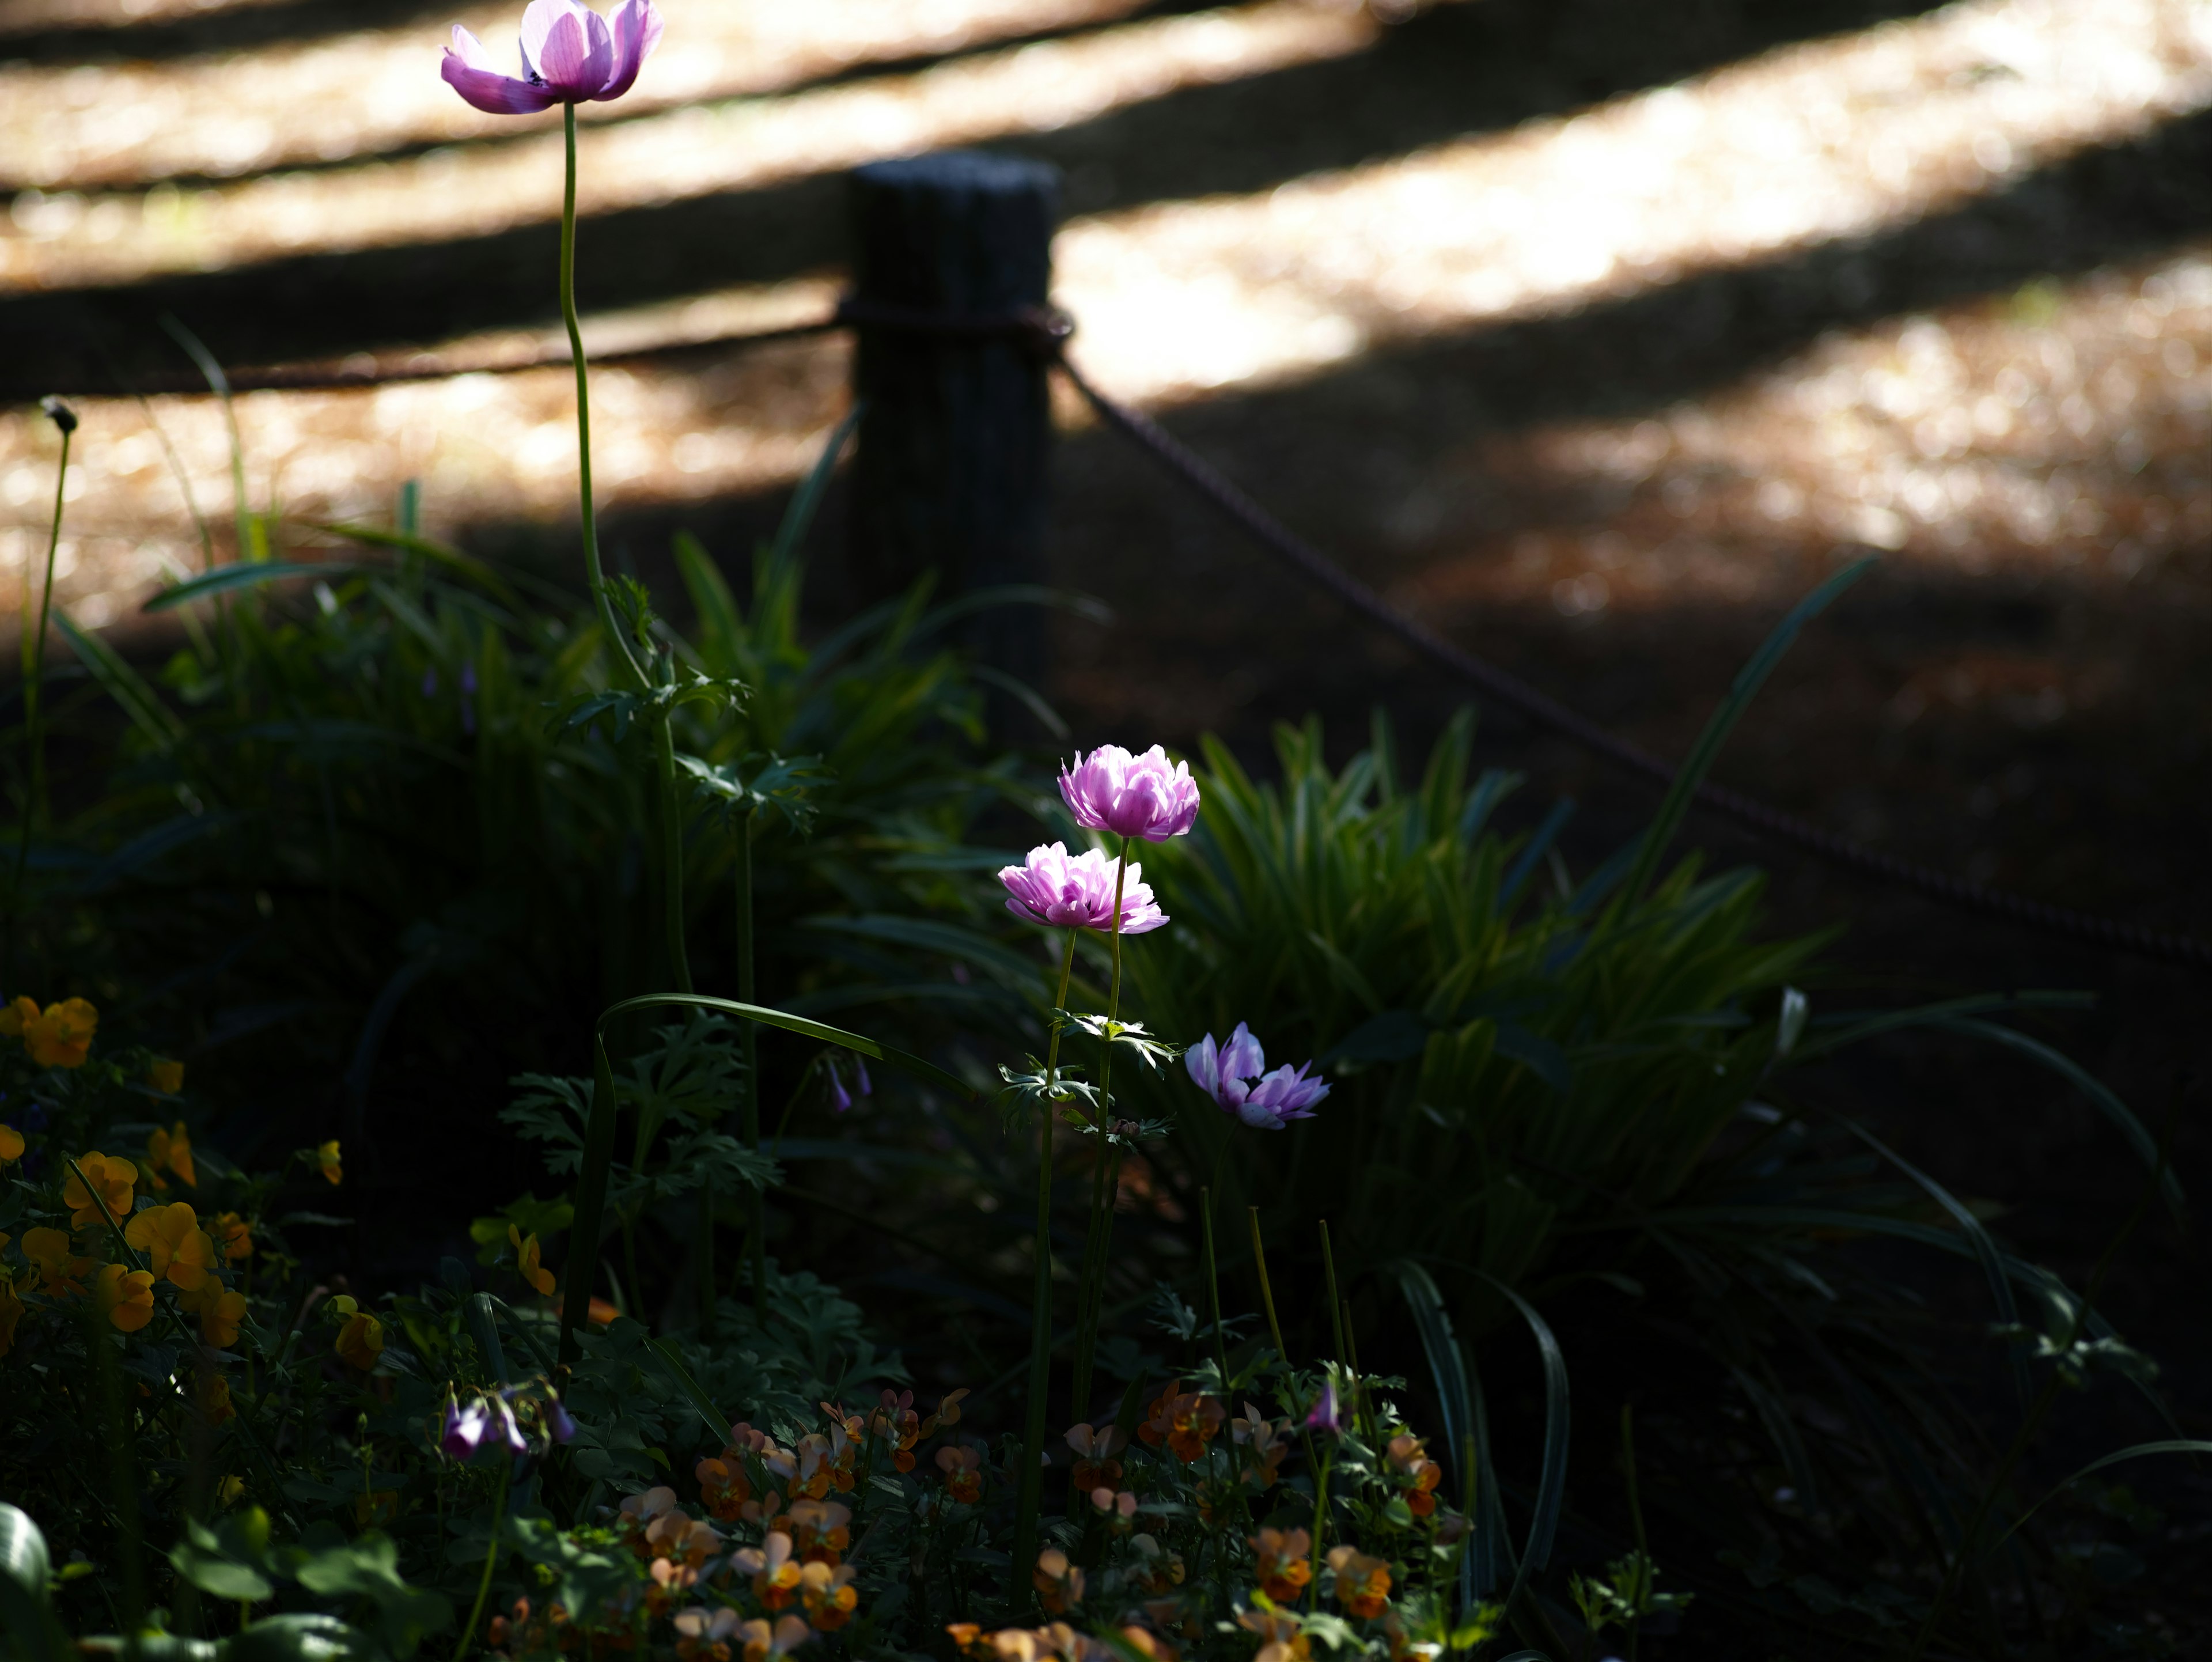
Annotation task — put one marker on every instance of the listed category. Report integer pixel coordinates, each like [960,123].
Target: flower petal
[491,92]
[537,21]
[636,33]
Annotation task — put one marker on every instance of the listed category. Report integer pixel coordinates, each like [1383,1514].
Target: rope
[1546,711]
[1042,333]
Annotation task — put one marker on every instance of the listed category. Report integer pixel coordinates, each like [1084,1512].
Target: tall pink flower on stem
[570,55]
[1076,891]
[1130,795]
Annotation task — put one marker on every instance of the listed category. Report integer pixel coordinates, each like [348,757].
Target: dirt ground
[1998,378]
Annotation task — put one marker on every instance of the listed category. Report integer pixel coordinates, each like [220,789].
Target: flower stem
[757,1222]
[1105,1175]
[1032,1483]
[632,672]
[34,671]
[499,1497]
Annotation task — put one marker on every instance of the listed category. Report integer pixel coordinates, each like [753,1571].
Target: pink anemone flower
[1111,790]
[570,55]
[1076,891]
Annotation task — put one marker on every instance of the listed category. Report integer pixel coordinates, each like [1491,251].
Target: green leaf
[224,578]
[701,1401]
[906,1062]
[298,1636]
[2136,1451]
[130,690]
[1707,750]
[1552,1477]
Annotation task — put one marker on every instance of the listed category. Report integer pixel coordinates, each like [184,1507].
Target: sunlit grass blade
[889,1054]
[224,579]
[1699,762]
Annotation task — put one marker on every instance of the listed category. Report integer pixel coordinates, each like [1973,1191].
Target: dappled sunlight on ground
[124,123]
[689,152]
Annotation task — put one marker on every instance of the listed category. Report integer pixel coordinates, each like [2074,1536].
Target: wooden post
[956,430]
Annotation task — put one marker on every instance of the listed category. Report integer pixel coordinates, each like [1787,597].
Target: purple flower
[840,1099]
[463,1432]
[1236,1076]
[1077,891]
[516,1442]
[861,1066]
[469,699]
[1328,1414]
[558,1422]
[1130,795]
[570,55]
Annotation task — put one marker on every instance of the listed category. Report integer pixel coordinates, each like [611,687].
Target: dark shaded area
[292,22]
[1448,73]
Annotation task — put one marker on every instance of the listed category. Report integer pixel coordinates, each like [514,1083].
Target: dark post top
[956,436]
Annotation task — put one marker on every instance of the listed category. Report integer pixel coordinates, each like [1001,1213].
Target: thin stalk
[1266,1293]
[1032,1486]
[34,671]
[633,672]
[499,1499]
[1214,1289]
[1321,1518]
[750,1042]
[120,1446]
[1636,1519]
[1335,1305]
[1102,1199]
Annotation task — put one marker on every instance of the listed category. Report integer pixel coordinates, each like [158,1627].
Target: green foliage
[1521,1063]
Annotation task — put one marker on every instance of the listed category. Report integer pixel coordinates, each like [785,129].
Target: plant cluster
[467,834]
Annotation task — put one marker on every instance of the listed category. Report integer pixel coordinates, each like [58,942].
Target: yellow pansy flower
[361,1341]
[11,1144]
[215,1399]
[171,1151]
[164,1076]
[232,1234]
[126,1296]
[57,1037]
[61,1272]
[525,1260]
[220,1311]
[116,1181]
[175,1244]
[327,1157]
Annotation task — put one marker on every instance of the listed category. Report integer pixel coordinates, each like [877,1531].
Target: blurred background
[1592,332]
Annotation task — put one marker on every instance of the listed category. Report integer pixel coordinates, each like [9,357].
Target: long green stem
[757,1222]
[1032,1485]
[498,1505]
[627,661]
[1213,1292]
[34,672]
[1106,1174]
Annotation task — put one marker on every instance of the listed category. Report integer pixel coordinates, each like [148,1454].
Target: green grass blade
[806,501]
[1552,1481]
[1455,1401]
[888,1055]
[130,690]
[1707,750]
[673,1360]
[2107,1102]
[584,1229]
[2135,1451]
[224,578]
[1984,1249]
